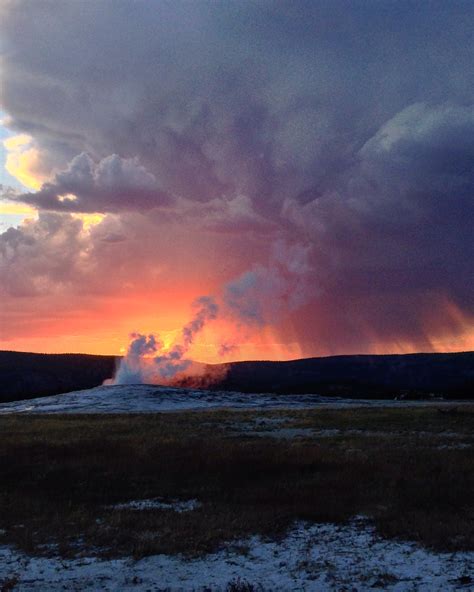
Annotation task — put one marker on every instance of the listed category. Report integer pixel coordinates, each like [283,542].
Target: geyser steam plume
[257,298]
[148,361]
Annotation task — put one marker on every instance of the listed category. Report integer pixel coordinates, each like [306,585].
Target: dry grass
[403,468]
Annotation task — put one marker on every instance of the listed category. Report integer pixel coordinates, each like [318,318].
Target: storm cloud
[334,140]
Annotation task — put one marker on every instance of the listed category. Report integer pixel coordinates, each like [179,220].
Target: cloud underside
[319,155]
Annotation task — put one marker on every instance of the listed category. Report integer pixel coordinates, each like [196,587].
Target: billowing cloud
[309,163]
[112,184]
[41,257]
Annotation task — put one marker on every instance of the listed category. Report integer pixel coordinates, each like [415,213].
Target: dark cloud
[111,185]
[215,99]
[343,128]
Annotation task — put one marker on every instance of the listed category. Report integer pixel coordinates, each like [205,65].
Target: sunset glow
[22,161]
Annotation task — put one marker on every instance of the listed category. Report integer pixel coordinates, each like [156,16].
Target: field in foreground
[67,480]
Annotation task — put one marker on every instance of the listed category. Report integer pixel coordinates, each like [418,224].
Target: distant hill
[28,375]
[362,376]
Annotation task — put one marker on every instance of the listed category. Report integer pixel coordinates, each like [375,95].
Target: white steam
[147,360]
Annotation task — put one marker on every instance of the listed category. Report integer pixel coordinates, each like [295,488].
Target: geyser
[148,361]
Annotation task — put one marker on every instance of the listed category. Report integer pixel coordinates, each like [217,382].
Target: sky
[296,175]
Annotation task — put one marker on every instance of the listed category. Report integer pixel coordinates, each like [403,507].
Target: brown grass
[403,468]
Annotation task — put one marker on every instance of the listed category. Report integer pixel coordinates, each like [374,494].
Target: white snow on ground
[150,399]
[158,504]
[311,557]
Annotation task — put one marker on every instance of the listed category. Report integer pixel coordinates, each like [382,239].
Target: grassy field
[409,470]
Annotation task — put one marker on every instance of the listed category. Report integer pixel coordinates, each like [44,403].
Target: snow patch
[158,504]
[138,398]
[317,557]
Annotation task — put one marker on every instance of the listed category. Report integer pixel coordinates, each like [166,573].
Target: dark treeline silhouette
[362,376]
[27,375]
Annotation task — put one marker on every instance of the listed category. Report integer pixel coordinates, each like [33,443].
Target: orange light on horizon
[103,326]
[265,344]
